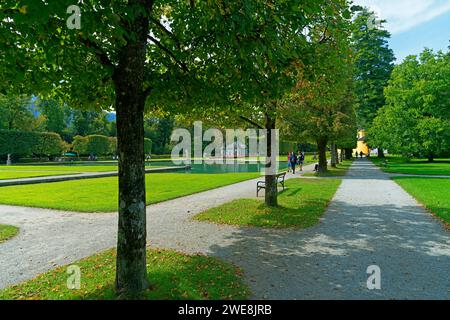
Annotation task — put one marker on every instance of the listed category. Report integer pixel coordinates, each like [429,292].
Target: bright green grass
[4,175]
[339,171]
[15,172]
[7,232]
[433,193]
[100,195]
[171,275]
[415,166]
[300,206]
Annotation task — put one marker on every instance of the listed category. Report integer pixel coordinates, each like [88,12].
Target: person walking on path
[289,161]
[301,159]
[361,154]
[293,162]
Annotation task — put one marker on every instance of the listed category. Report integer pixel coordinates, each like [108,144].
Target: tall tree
[15,113]
[374,61]
[159,131]
[54,115]
[269,46]
[136,53]
[320,108]
[416,118]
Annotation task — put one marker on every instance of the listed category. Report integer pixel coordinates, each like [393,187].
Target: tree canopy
[374,61]
[416,118]
[321,107]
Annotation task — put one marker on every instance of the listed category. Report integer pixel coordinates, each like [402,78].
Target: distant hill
[32,107]
[111,116]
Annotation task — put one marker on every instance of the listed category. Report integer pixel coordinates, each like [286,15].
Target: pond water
[235,167]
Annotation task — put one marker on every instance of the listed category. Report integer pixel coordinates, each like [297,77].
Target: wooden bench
[262,184]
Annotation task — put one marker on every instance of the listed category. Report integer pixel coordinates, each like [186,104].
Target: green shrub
[24,143]
[98,145]
[17,143]
[48,144]
[79,145]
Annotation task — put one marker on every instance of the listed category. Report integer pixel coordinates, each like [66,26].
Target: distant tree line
[35,127]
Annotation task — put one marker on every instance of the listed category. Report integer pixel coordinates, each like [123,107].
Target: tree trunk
[381,153]
[322,150]
[430,158]
[336,154]
[333,155]
[271,191]
[348,154]
[131,273]
[342,155]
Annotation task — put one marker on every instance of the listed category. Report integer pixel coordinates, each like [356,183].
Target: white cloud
[403,15]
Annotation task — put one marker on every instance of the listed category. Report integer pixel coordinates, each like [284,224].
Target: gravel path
[371,221]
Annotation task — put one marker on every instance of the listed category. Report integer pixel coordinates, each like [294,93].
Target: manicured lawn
[10,174]
[415,166]
[28,171]
[339,171]
[7,232]
[100,195]
[172,276]
[300,206]
[433,193]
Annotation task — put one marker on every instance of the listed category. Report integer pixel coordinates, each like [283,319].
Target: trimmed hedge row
[22,143]
[94,144]
[101,145]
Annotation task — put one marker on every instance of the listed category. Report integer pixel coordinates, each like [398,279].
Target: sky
[413,24]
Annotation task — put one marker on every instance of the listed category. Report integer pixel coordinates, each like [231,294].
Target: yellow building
[362,146]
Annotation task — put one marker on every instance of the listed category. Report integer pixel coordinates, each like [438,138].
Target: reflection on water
[218,168]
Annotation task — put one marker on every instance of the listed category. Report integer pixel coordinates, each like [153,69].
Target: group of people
[295,160]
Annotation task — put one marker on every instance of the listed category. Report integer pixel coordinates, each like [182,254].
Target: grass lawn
[433,193]
[339,171]
[7,232]
[28,171]
[172,276]
[300,206]
[100,195]
[10,174]
[415,166]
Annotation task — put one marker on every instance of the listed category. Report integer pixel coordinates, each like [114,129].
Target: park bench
[262,184]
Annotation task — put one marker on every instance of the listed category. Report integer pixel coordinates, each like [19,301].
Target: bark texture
[322,150]
[131,273]
[271,191]
[348,154]
[334,159]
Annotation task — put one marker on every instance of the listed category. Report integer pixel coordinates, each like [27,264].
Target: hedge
[94,144]
[24,143]
[49,144]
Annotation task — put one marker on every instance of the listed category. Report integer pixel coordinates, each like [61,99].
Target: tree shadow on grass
[171,276]
[302,215]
